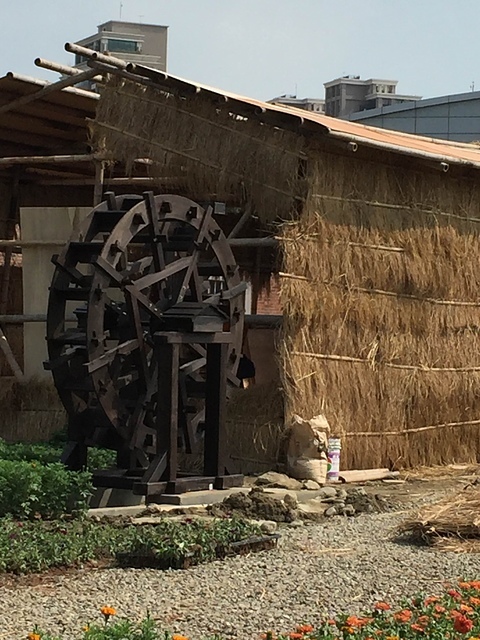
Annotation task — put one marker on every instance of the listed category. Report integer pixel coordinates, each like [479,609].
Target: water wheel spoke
[171,269]
[123,349]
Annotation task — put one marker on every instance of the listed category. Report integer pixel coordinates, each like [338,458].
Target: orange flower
[305,628]
[439,608]
[475,601]
[382,606]
[417,627]
[423,620]
[474,584]
[403,616]
[349,629]
[177,636]
[430,600]
[464,585]
[453,593]
[33,636]
[462,624]
[465,608]
[392,638]
[295,636]
[107,612]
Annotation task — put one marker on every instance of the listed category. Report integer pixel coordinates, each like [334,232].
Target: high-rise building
[134,42]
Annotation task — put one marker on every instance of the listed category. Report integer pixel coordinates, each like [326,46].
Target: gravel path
[296,583]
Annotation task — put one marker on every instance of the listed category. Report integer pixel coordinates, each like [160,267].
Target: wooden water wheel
[140,267]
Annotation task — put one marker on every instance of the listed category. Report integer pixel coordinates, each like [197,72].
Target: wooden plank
[364,475]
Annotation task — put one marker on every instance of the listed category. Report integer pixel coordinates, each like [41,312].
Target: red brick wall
[268,302]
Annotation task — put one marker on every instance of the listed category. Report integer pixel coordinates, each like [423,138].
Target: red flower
[462,624]
[417,627]
[454,594]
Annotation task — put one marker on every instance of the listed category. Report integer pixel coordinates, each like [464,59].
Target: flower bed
[453,615]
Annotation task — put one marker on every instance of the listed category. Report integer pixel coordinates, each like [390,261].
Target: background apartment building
[350,94]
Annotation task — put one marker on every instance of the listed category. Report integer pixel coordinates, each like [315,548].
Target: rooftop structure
[317,105]
[451,117]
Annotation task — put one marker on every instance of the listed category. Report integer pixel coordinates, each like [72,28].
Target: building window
[124,46]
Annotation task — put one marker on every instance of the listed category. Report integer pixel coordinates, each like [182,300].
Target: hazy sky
[264,48]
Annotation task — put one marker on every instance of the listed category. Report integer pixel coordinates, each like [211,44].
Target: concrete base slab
[115,498]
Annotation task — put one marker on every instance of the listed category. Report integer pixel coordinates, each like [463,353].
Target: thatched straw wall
[211,150]
[30,411]
[382,312]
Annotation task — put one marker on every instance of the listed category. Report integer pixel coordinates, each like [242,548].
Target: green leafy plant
[35,546]
[31,489]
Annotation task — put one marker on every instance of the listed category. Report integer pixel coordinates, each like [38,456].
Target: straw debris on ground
[453,521]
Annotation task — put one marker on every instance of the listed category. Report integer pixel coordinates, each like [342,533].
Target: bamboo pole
[95,55]
[49,88]
[405,432]
[389,365]
[8,353]
[62,159]
[394,207]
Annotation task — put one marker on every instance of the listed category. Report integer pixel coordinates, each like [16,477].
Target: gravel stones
[316,570]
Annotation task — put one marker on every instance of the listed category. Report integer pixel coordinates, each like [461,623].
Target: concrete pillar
[46,224]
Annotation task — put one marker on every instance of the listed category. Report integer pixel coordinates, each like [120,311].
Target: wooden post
[98,188]
[167,355]
[216,392]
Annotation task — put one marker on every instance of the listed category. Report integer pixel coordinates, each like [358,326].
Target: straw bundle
[382,313]
[456,516]
[213,150]
[255,427]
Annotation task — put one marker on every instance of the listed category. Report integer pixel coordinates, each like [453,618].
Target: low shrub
[50,452]
[35,546]
[31,489]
